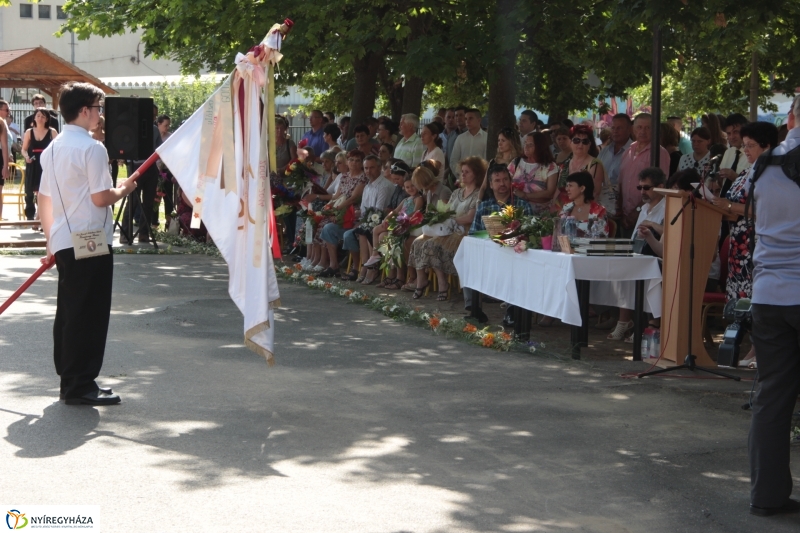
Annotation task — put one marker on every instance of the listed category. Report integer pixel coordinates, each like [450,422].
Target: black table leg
[522,323]
[583,299]
[638,321]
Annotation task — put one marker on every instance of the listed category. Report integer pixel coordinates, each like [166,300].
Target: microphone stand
[689,360]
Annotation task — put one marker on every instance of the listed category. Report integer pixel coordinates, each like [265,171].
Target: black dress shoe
[791,506]
[94,398]
[481,317]
[106,390]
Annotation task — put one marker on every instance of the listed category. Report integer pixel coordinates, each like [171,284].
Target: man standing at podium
[776,325]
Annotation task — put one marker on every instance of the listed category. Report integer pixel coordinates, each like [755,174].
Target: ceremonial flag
[221,159]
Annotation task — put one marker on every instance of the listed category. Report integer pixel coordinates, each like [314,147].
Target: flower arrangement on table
[527,233]
[499,221]
[398,227]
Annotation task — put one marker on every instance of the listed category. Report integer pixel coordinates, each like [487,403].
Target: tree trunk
[754,88]
[412,95]
[394,92]
[502,85]
[366,72]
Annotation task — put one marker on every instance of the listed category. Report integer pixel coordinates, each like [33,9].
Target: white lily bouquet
[440,221]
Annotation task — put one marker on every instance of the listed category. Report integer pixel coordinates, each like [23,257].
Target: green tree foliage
[181,100]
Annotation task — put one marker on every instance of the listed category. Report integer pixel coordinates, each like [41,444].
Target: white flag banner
[220,158]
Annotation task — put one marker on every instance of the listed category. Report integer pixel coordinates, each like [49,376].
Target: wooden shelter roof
[42,69]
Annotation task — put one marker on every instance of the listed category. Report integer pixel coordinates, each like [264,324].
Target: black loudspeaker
[129,128]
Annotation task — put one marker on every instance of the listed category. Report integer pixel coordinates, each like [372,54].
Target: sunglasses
[578,140]
[643,187]
[398,170]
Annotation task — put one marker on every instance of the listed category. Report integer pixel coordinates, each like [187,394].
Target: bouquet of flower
[509,214]
[398,227]
[371,218]
[527,233]
[344,217]
[436,214]
[299,174]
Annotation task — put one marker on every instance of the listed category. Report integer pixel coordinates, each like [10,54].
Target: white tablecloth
[544,281]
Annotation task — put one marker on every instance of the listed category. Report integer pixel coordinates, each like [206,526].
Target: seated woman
[428,182]
[536,172]
[351,185]
[581,206]
[411,204]
[438,252]
[385,152]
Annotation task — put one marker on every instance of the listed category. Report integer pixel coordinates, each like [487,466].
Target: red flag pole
[42,269]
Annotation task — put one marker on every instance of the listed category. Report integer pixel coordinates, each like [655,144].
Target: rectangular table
[559,285]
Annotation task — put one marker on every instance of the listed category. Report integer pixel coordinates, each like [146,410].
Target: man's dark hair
[453,109]
[474,110]
[332,130]
[316,111]
[499,169]
[74,96]
[371,121]
[540,124]
[654,174]
[567,122]
[344,120]
[3,103]
[373,157]
[155,107]
[361,129]
[736,119]
[531,115]
[622,116]
[764,133]
[683,179]
[162,118]
[673,117]
[461,108]
[38,96]
[330,116]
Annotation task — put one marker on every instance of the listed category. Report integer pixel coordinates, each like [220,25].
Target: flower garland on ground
[489,337]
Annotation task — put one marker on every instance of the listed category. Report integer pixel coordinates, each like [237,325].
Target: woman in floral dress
[757,138]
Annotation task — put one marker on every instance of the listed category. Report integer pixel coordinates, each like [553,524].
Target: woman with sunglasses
[701,153]
[536,171]
[583,158]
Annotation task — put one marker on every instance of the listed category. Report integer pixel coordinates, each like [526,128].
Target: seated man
[377,193]
[651,216]
[500,185]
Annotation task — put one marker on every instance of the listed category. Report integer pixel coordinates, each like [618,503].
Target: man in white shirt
[377,193]
[410,148]
[611,155]
[652,213]
[734,161]
[78,198]
[527,124]
[471,142]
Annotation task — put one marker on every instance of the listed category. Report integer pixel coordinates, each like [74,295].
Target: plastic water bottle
[647,337]
[570,228]
[655,346]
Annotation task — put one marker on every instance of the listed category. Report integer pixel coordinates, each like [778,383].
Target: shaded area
[364,424]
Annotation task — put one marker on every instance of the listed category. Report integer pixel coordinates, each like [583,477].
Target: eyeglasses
[578,140]
[98,107]
[395,169]
[643,187]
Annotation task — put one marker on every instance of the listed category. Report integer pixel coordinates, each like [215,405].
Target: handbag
[440,229]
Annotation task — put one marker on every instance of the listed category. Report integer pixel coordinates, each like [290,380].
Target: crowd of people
[560,168]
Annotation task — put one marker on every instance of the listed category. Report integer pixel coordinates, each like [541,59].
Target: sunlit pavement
[363,425]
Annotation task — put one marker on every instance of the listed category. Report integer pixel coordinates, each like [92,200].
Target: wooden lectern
[676,299]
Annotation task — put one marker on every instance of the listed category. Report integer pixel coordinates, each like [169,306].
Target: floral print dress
[740,278]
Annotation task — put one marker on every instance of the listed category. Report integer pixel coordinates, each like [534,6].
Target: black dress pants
[776,337]
[144,195]
[81,326]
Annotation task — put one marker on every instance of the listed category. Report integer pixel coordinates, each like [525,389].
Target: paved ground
[364,424]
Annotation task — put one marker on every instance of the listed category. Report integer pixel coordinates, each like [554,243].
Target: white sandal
[619,331]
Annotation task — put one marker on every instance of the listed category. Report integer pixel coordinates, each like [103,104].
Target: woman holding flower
[535,175]
[426,181]
[438,252]
[411,204]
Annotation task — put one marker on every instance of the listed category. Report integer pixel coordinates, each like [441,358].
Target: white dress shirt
[82,164]
[467,145]
[377,194]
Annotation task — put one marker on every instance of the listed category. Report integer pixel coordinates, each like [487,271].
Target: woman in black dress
[36,139]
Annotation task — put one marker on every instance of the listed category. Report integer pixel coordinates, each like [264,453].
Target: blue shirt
[316,141]
[776,273]
[487,207]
